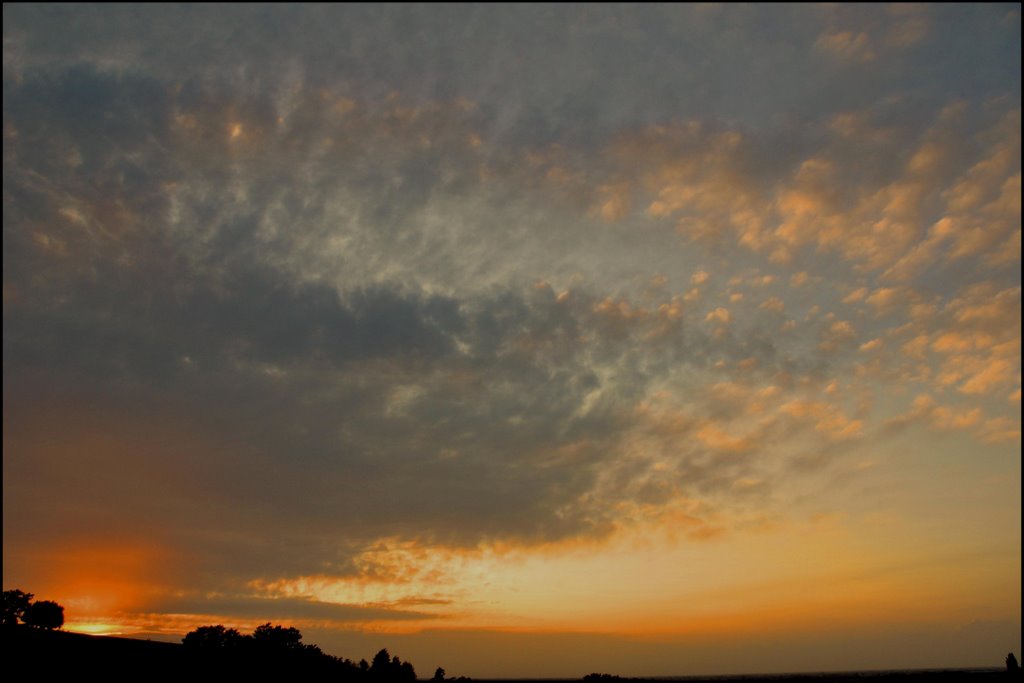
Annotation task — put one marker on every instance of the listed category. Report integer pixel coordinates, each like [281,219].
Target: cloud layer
[318,279]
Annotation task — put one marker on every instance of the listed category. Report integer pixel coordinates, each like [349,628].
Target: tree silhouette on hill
[384,667]
[18,606]
[44,614]
[14,606]
[278,638]
[214,638]
[279,650]
[211,652]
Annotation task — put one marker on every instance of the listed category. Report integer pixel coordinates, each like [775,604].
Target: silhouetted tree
[15,604]
[384,667]
[273,652]
[270,653]
[44,614]
[438,675]
[1011,663]
[269,637]
[381,664]
[213,638]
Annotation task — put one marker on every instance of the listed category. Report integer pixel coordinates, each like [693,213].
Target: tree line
[281,648]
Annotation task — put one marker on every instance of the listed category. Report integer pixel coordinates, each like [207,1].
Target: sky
[520,340]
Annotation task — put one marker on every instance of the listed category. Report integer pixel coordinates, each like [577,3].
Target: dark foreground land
[50,655]
[913,676]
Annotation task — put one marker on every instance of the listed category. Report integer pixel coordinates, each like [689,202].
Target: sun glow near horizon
[811,577]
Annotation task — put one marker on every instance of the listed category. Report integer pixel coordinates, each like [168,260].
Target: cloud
[279,608]
[700,277]
[495,415]
[887,300]
[836,334]
[720,315]
[829,418]
[856,295]
[846,45]
[984,380]
[1001,429]
[910,24]
[282,303]
[924,408]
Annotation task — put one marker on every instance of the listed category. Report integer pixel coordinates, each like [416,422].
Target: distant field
[912,676]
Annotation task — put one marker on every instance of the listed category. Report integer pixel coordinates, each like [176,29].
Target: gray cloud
[607,66]
[318,267]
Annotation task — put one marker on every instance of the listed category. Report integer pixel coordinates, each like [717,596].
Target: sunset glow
[526,341]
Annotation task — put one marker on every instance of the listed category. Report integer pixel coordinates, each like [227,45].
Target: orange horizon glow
[508,589]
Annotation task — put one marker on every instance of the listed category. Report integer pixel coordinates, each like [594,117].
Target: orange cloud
[847,45]
[829,418]
[719,315]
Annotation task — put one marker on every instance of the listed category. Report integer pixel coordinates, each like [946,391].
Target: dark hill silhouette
[992,675]
[33,644]
[275,654]
[31,651]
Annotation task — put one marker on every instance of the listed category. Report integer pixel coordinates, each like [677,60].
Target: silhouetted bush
[384,667]
[214,638]
[15,604]
[44,614]
[278,638]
